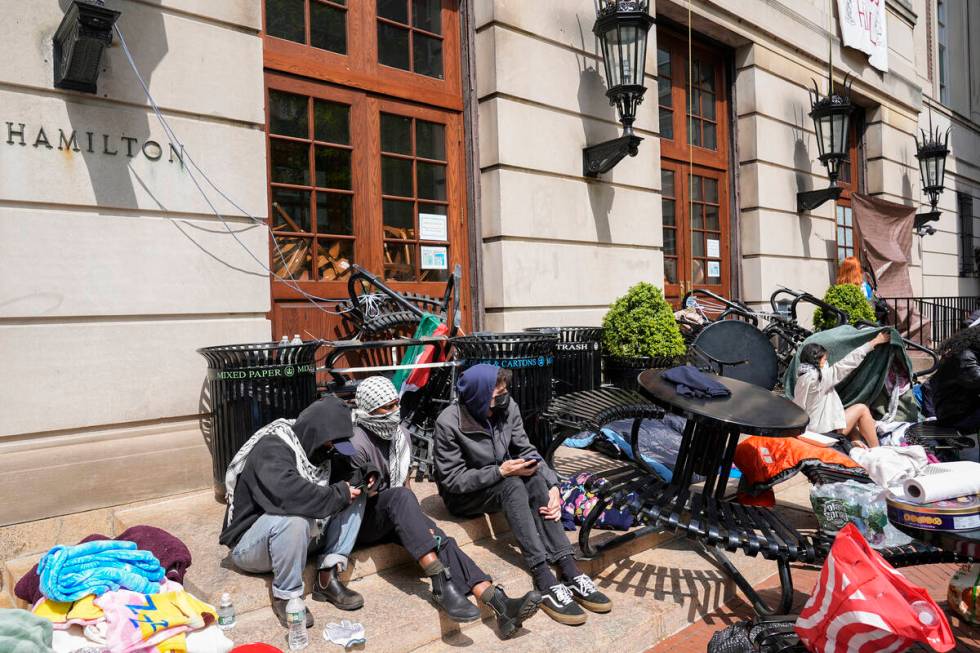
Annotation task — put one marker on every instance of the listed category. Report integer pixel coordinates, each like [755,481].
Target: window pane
[331,122]
[393,46]
[396,134]
[847,216]
[394,10]
[428,55]
[663,63]
[399,261]
[707,72]
[399,219]
[711,218]
[292,261]
[710,140]
[697,216]
[695,183]
[328,27]
[668,210]
[849,235]
[695,105]
[290,162]
[287,114]
[667,124]
[697,266]
[694,131]
[432,181]
[670,270]
[285,19]
[334,214]
[664,96]
[290,210]
[396,177]
[667,182]
[426,14]
[840,235]
[432,209]
[840,214]
[708,105]
[334,258]
[332,167]
[711,190]
[670,242]
[430,140]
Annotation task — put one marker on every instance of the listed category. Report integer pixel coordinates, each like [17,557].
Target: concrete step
[197,521]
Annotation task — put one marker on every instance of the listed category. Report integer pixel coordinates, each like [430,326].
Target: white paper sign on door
[432,226]
[714,268]
[434,258]
[714,248]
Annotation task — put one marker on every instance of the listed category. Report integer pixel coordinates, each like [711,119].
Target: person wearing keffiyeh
[393,510]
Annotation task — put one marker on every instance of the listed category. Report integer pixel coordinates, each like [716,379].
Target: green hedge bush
[850,299]
[641,323]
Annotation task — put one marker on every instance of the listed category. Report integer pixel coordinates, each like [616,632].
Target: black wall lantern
[622,27]
[831,115]
[931,152]
[84,32]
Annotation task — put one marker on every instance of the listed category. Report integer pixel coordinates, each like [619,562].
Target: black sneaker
[560,605]
[588,595]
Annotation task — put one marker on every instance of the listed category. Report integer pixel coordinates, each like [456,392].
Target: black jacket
[468,455]
[270,482]
[956,386]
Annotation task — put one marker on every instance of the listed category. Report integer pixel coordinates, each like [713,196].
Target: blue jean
[282,543]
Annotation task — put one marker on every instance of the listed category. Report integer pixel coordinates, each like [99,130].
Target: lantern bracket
[922,218]
[811,199]
[603,157]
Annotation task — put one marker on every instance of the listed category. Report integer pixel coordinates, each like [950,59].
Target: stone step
[197,520]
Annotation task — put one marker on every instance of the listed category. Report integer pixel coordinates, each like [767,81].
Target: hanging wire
[291,281]
[690,142]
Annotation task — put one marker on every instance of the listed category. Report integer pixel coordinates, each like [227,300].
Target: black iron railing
[929,320]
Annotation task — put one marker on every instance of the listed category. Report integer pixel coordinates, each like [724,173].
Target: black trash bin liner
[250,386]
[578,358]
[531,357]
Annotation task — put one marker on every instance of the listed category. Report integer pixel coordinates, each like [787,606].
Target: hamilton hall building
[408,136]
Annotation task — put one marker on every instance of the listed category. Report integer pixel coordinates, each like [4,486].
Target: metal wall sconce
[82,36]
[622,27]
[831,119]
[931,152]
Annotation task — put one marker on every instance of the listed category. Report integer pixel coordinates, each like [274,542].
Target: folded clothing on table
[69,573]
[168,549]
[692,382]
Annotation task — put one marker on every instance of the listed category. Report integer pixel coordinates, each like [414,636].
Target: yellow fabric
[59,612]
[173,609]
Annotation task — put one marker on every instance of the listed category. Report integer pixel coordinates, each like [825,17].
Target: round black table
[714,425]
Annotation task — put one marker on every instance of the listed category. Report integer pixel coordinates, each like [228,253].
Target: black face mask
[499,404]
[321,455]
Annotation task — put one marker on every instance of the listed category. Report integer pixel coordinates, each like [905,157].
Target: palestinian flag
[412,380]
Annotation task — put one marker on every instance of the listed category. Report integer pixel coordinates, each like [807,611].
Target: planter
[622,372]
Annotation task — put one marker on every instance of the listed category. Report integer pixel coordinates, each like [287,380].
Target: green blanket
[22,632]
[866,384]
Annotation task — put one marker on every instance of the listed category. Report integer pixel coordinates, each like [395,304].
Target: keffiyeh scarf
[373,393]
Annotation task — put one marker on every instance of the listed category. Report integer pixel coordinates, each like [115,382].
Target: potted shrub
[848,298]
[639,332]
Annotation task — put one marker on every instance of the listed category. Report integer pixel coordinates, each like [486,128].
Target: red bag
[861,604]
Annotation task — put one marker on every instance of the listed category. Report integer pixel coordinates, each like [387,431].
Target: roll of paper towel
[933,486]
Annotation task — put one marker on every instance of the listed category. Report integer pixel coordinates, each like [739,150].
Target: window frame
[360,68]
[942,51]
[853,185]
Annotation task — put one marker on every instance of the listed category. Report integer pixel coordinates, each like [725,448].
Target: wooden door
[694,135]
[366,163]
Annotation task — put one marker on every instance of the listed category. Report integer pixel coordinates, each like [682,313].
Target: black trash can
[578,358]
[250,386]
[531,357]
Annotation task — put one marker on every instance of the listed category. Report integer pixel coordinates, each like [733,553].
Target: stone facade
[583,242]
[113,267]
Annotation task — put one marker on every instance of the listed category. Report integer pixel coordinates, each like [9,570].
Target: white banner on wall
[862,26]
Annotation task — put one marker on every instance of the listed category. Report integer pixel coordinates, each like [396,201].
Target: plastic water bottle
[296,340]
[296,619]
[284,341]
[226,613]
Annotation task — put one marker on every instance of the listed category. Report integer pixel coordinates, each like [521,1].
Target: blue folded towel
[691,382]
[69,573]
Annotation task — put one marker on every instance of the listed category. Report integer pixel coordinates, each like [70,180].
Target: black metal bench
[716,525]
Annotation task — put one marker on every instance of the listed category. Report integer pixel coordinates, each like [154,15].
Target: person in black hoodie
[485,463]
[281,507]
[393,512]
[955,386]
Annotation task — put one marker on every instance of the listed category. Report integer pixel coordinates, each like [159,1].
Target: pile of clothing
[116,595]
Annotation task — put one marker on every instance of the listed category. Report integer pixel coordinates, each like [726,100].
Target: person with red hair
[850,272]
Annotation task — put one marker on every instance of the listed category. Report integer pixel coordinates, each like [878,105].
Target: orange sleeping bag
[764,462]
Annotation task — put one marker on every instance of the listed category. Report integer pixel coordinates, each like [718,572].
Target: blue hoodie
[475,387]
